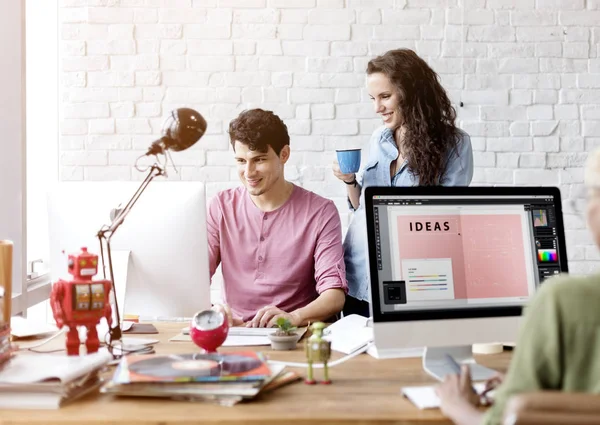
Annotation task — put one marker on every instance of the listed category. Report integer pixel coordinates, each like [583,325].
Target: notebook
[349,334]
[49,395]
[47,381]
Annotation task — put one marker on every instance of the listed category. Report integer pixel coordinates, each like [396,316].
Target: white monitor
[162,242]
[453,266]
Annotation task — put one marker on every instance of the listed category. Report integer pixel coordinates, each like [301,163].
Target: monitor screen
[461,252]
[160,254]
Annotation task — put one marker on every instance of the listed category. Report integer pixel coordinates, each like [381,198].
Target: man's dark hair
[259,129]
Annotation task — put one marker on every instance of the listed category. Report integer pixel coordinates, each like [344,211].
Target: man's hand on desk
[267,317]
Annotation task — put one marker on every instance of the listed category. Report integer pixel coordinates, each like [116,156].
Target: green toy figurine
[317,350]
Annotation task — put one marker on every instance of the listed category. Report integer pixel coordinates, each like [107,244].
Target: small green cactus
[284,327]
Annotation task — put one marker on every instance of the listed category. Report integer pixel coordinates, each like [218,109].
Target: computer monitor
[167,275]
[454,266]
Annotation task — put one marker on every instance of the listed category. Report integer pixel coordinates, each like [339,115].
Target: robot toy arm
[56,299]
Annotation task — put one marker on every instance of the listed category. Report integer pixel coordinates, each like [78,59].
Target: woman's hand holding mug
[345,177]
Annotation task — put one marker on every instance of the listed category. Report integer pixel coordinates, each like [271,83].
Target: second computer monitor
[455,266]
[166,274]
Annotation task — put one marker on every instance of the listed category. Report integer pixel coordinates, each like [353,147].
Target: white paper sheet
[25,328]
[425,397]
[239,337]
[231,341]
[239,341]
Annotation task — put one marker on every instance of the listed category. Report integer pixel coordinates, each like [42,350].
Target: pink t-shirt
[284,258]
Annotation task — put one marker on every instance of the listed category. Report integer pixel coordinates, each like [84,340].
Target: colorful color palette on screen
[547,256]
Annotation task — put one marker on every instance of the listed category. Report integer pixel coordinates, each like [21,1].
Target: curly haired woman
[418,144]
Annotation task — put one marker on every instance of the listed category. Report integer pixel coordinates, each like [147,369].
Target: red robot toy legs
[81,301]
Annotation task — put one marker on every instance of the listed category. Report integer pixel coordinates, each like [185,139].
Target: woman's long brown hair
[427,114]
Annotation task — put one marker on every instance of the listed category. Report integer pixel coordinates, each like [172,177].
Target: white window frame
[42,106]
[35,27]
[12,128]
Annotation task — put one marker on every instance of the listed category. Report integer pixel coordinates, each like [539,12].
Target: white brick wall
[527,71]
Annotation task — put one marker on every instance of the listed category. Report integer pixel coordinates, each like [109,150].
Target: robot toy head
[83,265]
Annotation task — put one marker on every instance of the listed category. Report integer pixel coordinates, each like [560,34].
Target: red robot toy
[81,301]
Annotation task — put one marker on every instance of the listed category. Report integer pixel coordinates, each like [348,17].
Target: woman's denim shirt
[376,172]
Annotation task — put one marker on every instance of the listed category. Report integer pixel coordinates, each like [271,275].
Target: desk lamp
[182,129]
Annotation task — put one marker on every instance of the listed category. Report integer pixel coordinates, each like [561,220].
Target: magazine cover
[221,367]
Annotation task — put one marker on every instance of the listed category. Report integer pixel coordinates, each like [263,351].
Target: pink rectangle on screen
[437,242]
[487,252]
[494,246]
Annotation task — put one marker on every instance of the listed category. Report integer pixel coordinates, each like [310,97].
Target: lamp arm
[155,171]
[115,331]
[106,233]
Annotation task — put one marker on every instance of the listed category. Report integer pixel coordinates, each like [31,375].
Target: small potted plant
[285,337]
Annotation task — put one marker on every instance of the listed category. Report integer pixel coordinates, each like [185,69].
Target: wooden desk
[364,391]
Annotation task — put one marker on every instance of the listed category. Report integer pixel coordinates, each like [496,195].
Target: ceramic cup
[349,160]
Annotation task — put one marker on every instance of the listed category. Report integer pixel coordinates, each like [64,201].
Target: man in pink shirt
[279,245]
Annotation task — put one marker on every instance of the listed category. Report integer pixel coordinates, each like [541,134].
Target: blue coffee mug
[349,160]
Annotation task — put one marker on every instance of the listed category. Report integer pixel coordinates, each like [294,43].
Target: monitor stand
[436,365]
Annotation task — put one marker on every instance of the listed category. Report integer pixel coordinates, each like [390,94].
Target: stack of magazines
[47,381]
[224,378]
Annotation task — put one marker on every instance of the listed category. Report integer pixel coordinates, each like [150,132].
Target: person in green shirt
[558,347]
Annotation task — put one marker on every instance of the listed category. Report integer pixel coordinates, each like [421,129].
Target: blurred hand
[491,384]
[267,317]
[338,173]
[224,308]
[456,392]
[494,381]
